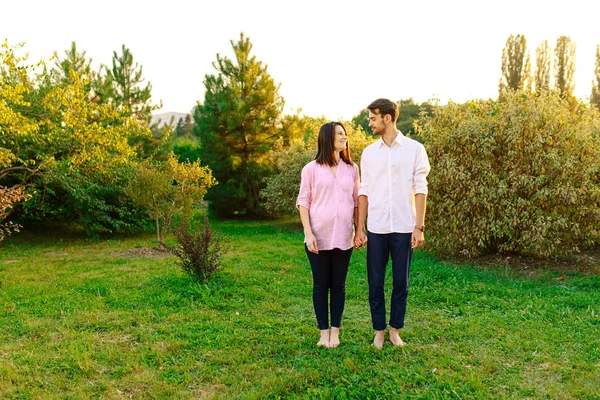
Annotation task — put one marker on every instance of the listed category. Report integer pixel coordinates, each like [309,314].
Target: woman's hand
[311,243]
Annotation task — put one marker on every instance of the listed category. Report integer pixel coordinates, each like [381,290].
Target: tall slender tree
[516,65]
[543,66]
[595,98]
[564,66]
[73,61]
[127,87]
[238,124]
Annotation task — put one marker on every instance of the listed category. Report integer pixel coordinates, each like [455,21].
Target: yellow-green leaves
[521,175]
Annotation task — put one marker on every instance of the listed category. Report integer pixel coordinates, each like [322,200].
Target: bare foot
[324,341]
[334,337]
[395,338]
[379,339]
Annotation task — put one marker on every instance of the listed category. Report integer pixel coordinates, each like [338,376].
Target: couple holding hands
[333,200]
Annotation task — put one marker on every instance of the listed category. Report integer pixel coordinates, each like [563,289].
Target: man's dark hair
[384,106]
[325,143]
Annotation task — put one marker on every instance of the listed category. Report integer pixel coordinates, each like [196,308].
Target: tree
[564,66]
[543,66]
[127,85]
[167,190]
[595,98]
[70,152]
[409,112]
[516,65]
[238,123]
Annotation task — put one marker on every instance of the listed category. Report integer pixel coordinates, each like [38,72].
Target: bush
[279,196]
[199,251]
[8,197]
[517,176]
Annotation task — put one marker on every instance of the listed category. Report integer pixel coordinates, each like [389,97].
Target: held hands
[311,243]
[360,239]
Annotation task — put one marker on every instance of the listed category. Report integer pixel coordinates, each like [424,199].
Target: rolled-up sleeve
[356,185]
[364,185]
[421,171]
[305,194]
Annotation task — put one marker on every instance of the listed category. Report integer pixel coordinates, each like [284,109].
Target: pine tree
[238,124]
[127,85]
[516,65]
[595,98]
[543,64]
[564,66]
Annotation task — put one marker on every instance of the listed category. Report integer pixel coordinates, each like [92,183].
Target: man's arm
[418,236]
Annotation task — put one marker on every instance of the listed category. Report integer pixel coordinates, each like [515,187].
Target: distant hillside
[165,118]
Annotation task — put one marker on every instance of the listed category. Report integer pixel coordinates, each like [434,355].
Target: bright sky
[331,58]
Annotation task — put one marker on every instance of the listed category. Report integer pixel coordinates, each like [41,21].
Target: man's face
[376,122]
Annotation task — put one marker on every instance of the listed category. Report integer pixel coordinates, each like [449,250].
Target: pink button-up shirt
[330,202]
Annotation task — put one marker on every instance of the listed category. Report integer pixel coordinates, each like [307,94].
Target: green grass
[80,320]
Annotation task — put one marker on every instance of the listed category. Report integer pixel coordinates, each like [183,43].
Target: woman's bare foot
[324,341]
[379,339]
[395,338]
[334,337]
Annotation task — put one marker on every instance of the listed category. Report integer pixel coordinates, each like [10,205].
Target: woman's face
[340,139]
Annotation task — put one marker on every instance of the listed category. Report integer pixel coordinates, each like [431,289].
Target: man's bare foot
[379,339]
[395,338]
[324,341]
[334,337]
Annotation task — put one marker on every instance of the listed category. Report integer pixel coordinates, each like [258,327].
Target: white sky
[331,58]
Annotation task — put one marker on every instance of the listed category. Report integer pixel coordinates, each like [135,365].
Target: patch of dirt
[587,262]
[150,252]
[9,261]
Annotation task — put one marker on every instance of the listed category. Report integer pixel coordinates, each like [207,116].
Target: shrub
[279,195]
[199,251]
[517,176]
[8,197]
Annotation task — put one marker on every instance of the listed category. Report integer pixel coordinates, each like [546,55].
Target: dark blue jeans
[329,270]
[379,248]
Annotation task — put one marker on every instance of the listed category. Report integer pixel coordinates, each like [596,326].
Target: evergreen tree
[543,64]
[564,66]
[595,98]
[516,65]
[73,61]
[238,124]
[127,87]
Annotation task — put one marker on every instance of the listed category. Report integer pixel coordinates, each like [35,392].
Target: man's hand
[418,238]
[360,239]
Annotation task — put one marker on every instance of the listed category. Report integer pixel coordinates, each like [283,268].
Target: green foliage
[200,252]
[409,113]
[518,176]
[238,124]
[280,194]
[516,65]
[58,140]
[167,190]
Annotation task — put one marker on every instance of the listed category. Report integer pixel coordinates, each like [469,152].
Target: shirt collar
[399,139]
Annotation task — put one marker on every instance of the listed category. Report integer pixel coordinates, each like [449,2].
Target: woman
[327,203]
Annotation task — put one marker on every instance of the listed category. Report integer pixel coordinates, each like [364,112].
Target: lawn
[98,318]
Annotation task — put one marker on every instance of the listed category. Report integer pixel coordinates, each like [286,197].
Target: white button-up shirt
[390,177]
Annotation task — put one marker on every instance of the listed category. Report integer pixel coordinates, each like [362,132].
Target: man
[393,190]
